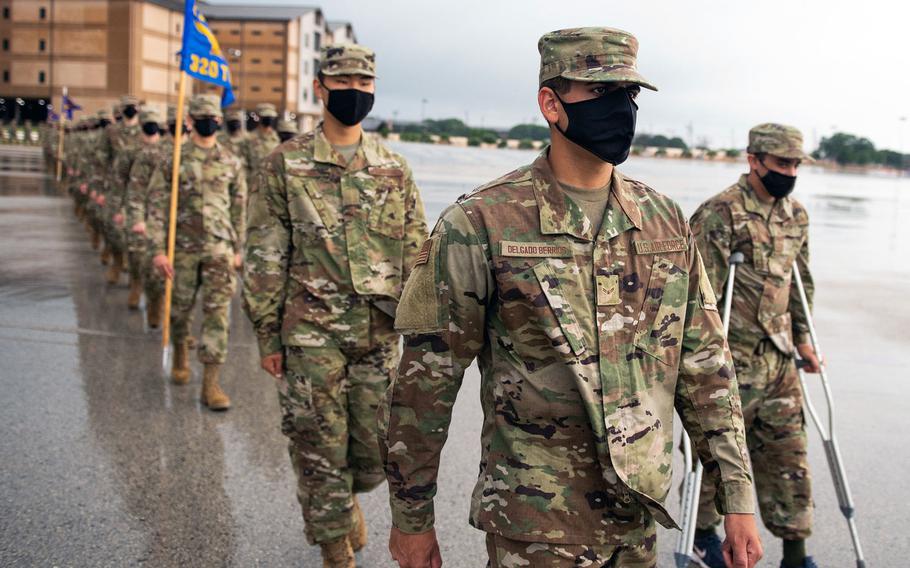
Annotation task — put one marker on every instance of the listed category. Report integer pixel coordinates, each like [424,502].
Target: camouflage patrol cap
[235,114]
[172,113]
[348,59]
[149,114]
[287,125]
[127,100]
[267,110]
[777,140]
[103,114]
[205,105]
[590,54]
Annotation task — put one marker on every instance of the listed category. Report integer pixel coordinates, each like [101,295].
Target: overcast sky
[721,66]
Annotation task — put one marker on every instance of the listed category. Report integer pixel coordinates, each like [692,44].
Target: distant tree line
[659,141]
[849,150]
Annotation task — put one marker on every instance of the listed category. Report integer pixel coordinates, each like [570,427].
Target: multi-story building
[101,49]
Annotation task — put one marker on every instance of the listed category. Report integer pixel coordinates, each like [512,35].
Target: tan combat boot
[212,395]
[153,312]
[358,535]
[113,273]
[180,372]
[135,294]
[337,554]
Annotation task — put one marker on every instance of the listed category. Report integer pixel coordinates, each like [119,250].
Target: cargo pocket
[659,331]
[554,287]
[387,212]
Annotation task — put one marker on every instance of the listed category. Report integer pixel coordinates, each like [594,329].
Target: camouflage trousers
[507,553]
[776,435]
[329,399]
[212,272]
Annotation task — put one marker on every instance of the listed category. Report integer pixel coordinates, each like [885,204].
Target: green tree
[530,131]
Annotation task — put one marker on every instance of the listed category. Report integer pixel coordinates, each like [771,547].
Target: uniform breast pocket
[312,211]
[387,211]
[660,327]
[538,307]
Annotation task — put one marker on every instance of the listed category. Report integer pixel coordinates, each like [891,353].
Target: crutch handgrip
[737,258]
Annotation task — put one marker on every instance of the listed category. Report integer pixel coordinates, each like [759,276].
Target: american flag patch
[424,255]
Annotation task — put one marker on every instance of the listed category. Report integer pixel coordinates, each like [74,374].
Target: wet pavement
[103,462]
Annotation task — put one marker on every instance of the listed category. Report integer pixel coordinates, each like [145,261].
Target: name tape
[536,250]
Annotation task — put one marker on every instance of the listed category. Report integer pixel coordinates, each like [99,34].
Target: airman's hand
[139,228]
[742,547]
[238,261]
[273,364]
[415,550]
[118,219]
[807,354]
[163,266]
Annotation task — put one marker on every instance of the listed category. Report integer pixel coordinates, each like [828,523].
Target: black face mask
[603,126]
[129,111]
[251,125]
[233,126]
[266,121]
[150,128]
[285,136]
[349,106]
[778,185]
[103,123]
[205,127]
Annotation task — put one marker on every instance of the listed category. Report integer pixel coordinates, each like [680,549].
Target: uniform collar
[560,215]
[782,208]
[367,154]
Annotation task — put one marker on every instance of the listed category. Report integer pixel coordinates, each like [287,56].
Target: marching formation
[588,300]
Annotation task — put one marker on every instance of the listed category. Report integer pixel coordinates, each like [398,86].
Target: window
[306,94]
[257,32]
[306,40]
[235,32]
[255,60]
[42,13]
[317,41]
[41,77]
[255,89]
[6,12]
[42,45]
[5,44]
[279,33]
[306,70]
[315,66]
[5,76]
[278,61]
[276,89]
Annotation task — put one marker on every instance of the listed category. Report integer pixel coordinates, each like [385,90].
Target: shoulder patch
[676,244]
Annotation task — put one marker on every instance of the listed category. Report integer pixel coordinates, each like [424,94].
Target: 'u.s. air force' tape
[677,244]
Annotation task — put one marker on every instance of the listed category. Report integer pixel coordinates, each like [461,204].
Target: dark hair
[320,76]
[560,85]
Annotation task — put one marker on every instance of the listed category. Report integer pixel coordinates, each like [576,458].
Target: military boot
[135,294]
[337,554]
[113,273]
[180,372]
[153,312]
[358,535]
[212,395]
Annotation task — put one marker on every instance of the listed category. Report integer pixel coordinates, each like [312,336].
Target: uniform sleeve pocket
[419,308]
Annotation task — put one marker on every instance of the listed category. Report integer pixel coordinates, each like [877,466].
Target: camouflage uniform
[258,143]
[118,141]
[765,317]
[95,165]
[329,247]
[210,230]
[586,339]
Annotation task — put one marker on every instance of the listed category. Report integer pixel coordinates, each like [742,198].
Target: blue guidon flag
[201,56]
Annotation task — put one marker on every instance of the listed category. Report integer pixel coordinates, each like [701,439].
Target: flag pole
[62,125]
[172,221]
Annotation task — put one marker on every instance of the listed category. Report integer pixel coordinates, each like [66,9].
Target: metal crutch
[692,479]
[832,451]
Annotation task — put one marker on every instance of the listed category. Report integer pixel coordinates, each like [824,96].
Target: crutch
[692,479]
[832,451]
